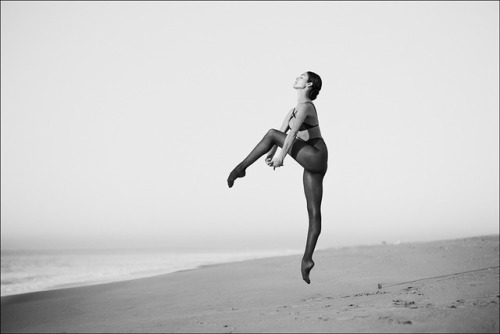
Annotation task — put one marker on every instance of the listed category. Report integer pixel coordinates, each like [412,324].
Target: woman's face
[301,82]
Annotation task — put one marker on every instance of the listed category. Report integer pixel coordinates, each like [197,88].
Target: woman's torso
[310,127]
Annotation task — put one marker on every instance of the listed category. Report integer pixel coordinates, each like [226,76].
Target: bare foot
[306,268]
[236,173]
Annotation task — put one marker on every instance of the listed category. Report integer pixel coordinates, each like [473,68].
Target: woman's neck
[302,96]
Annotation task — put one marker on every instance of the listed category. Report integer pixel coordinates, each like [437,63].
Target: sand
[441,286]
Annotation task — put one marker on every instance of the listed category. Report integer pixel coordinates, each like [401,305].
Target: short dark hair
[316,84]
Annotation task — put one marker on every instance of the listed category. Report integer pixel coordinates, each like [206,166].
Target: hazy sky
[120,121]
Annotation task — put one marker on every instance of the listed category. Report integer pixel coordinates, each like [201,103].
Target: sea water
[30,271]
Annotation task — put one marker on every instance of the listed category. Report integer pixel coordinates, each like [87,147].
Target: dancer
[303,143]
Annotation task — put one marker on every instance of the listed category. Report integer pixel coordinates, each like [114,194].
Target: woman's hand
[276,162]
[270,156]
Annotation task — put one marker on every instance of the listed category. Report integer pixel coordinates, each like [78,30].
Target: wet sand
[441,286]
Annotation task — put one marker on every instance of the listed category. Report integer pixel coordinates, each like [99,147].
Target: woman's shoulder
[310,104]
[306,106]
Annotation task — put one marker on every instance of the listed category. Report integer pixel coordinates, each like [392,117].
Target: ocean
[31,271]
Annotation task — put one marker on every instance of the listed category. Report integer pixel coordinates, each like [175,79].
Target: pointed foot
[305,268]
[234,175]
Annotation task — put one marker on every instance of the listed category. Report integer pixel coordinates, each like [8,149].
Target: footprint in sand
[361,294]
[409,304]
[312,298]
[391,320]
[412,290]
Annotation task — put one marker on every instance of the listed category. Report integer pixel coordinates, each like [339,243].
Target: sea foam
[31,271]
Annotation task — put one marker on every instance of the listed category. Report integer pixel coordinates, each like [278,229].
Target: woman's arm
[300,116]
[284,128]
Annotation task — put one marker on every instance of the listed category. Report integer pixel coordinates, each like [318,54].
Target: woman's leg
[306,155]
[313,189]
[272,137]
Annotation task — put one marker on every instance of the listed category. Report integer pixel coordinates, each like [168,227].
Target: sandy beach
[440,286]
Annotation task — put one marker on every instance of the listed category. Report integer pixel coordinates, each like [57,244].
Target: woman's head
[310,81]
[316,84]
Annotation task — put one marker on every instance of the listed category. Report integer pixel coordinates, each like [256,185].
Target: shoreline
[201,266]
[48,270]
[424,287]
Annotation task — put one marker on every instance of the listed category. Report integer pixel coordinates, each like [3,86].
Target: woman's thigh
[313,189]
[314,158]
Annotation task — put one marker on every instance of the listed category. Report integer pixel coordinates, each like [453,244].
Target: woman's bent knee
[272,132]
[275,136]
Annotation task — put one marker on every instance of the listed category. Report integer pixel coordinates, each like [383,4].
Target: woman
[305,144]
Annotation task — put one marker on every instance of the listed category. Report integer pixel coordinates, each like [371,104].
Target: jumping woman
[304,143]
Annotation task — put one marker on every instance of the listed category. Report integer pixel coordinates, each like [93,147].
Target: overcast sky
[120,122]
